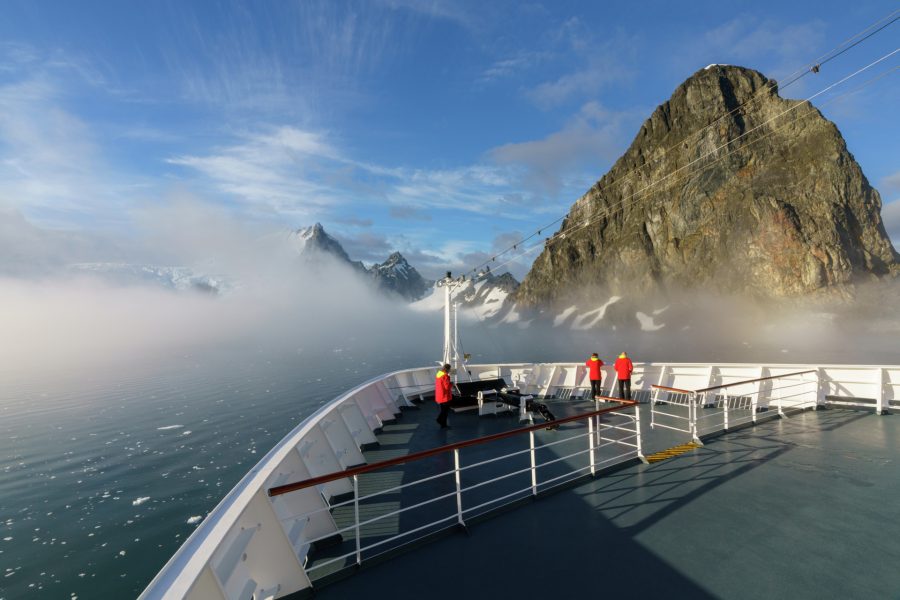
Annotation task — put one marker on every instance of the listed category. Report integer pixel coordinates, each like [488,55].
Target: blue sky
[440,129]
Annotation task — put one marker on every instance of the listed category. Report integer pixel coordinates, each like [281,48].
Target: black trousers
[625,389]
[596,389]
[442,417]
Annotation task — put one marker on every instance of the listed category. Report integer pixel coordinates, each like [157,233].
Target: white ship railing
[575,452]
[729,405]
[253,545]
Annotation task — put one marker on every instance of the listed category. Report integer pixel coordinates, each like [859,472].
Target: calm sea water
[104,473]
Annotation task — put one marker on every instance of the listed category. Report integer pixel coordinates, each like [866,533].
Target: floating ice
[140,500]
[169,427]
[187,432]
[194,520]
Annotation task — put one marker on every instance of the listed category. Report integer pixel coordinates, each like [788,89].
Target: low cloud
[64,318]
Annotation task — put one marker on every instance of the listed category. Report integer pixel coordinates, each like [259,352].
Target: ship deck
[799,507]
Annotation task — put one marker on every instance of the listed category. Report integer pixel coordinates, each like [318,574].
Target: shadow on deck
[789,508]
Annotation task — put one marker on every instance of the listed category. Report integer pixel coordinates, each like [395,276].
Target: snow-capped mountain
[398,276]
[485,298]
[311,243]
[174,278]
[395,275]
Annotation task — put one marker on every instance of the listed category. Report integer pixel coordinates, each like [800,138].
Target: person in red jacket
[443,395]
[595,374]
[624,367]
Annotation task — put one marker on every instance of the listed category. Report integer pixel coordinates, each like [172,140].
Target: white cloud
[278,170]
[597,63]
[592,138]
[891,183]
[517,63]
[434,9]
[776,48]
[50,161]
[890,214]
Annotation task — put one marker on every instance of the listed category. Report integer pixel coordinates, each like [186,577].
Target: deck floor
[802,507]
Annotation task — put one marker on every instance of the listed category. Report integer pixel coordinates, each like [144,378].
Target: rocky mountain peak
[314,239]
[726,186]
[397,276]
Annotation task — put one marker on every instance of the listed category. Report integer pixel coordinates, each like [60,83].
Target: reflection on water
[103,476]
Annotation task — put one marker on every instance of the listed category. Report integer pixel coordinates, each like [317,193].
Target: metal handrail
[313,481]
[719,387]
[672,389]
[726,385]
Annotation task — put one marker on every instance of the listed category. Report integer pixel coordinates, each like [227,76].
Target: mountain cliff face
[784,211]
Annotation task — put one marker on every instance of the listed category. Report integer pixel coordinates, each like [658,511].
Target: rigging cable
[794,77]
[633,198]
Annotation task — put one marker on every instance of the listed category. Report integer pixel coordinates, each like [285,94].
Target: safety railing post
[725,404]
[637,431]
[533,465]
[695,405]
[356,518]
[653,395]
[459,512]
[694,401]
[753,404]
[880,408]
[780,402]
[591,443]
[814,392]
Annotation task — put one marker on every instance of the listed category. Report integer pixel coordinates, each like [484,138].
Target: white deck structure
[256,546]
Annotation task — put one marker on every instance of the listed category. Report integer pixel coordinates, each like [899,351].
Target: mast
[450,354]
[447,340]
[455,342]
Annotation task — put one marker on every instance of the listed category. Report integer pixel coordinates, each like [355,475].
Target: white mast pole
[447,341]
[456,341]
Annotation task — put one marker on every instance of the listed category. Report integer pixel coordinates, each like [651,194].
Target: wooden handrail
[611,399]
[299,485]
[719,387]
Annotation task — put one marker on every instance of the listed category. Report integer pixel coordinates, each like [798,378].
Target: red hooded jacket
[442,391]
[594,365]
[624,367]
